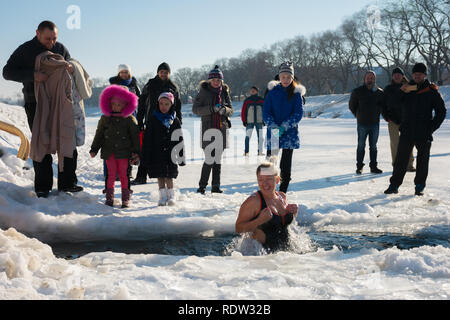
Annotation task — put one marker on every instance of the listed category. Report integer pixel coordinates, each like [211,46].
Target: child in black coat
[163,147]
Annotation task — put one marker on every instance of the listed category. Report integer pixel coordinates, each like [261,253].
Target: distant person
[266,214]
[423,111]
[148,102]
[366,103]
[163,145]
[117,137]
[392,111]
[126,79]
[21,68]
[213,105]
[282,113]
[252,118]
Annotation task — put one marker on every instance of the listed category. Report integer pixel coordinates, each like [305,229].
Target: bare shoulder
[251,201]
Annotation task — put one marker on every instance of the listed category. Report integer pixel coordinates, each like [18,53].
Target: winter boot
[359,168]
[216,189]
[375,170]
[162,197]
[391,190]
[126,195]
[171,197]
[109,197]
[419,190]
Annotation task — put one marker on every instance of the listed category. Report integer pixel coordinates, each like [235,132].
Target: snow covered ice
[330,196]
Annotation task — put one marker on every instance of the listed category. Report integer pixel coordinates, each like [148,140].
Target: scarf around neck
[126,82]
[216,117]
[165,118]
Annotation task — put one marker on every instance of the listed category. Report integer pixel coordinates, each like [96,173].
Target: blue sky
[184,33]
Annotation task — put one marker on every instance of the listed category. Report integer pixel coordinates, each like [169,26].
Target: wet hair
[46,25]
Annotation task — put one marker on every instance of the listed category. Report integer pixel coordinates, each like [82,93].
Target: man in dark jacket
[20,68]
[421,98]
[148,102]
[392,112]
[366,105]
[252,117]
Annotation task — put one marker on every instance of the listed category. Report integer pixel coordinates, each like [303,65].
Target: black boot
[216,171]
[206,172]
[375,170]
[359,168]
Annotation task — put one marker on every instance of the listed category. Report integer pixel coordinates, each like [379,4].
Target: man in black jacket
[366,105]
[421,98]
[148,102]
[20,68]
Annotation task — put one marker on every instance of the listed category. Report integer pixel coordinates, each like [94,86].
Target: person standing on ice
[252,118]
[163,147]
[366,104]
[21,68]
[423,111]
[213,104]
[148,102]
[392,112]
[126,79]
[117,136]
[266,214]
[282,112]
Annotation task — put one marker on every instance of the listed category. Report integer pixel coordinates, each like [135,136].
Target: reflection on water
[224,245]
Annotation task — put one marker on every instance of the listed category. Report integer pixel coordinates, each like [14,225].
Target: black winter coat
[366,105]
[158,148]
[20,66]
[148,101]
[418,122]
[392,103]
[133,87]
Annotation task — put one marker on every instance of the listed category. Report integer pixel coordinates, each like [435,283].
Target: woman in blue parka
[282,112]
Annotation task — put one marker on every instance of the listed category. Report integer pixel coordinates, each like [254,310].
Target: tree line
[396,34]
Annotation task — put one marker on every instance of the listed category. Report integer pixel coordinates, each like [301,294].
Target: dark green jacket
[118,136]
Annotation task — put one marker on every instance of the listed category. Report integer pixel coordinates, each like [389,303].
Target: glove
[182,164]
[222,111]
[245,124]
[280,132]
[217,107]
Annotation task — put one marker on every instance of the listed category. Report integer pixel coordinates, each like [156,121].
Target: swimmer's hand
[265,215]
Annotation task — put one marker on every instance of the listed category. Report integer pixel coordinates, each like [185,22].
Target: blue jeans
[248,136]
[364,130]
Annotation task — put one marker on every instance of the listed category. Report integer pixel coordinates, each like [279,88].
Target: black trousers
[405,147]
[285,168]
[215,168]
[43,171]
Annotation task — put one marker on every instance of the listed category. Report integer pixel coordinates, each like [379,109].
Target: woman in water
[266,214]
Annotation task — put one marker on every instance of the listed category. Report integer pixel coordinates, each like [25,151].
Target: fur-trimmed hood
[298,89]
[121,92]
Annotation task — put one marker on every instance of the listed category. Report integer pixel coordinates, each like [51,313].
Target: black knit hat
[215,73]
[163,66]
[398,70]
[419,67]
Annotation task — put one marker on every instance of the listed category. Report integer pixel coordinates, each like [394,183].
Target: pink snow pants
[117,166]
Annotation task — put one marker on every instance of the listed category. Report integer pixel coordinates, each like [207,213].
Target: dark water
[219,246]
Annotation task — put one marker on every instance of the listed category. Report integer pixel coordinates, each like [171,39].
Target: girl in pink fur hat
[117,136]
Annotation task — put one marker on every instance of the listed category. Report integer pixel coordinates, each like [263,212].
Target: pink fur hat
[122,93]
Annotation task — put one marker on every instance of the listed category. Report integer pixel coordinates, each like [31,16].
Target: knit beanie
[287,67]
[419,67]
[398,70]
[215,73]
[164,66]
[167,95]
[124,67]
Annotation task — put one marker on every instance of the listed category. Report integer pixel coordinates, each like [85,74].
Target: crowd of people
[144,129]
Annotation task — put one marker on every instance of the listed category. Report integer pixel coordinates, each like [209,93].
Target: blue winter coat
[278,111]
